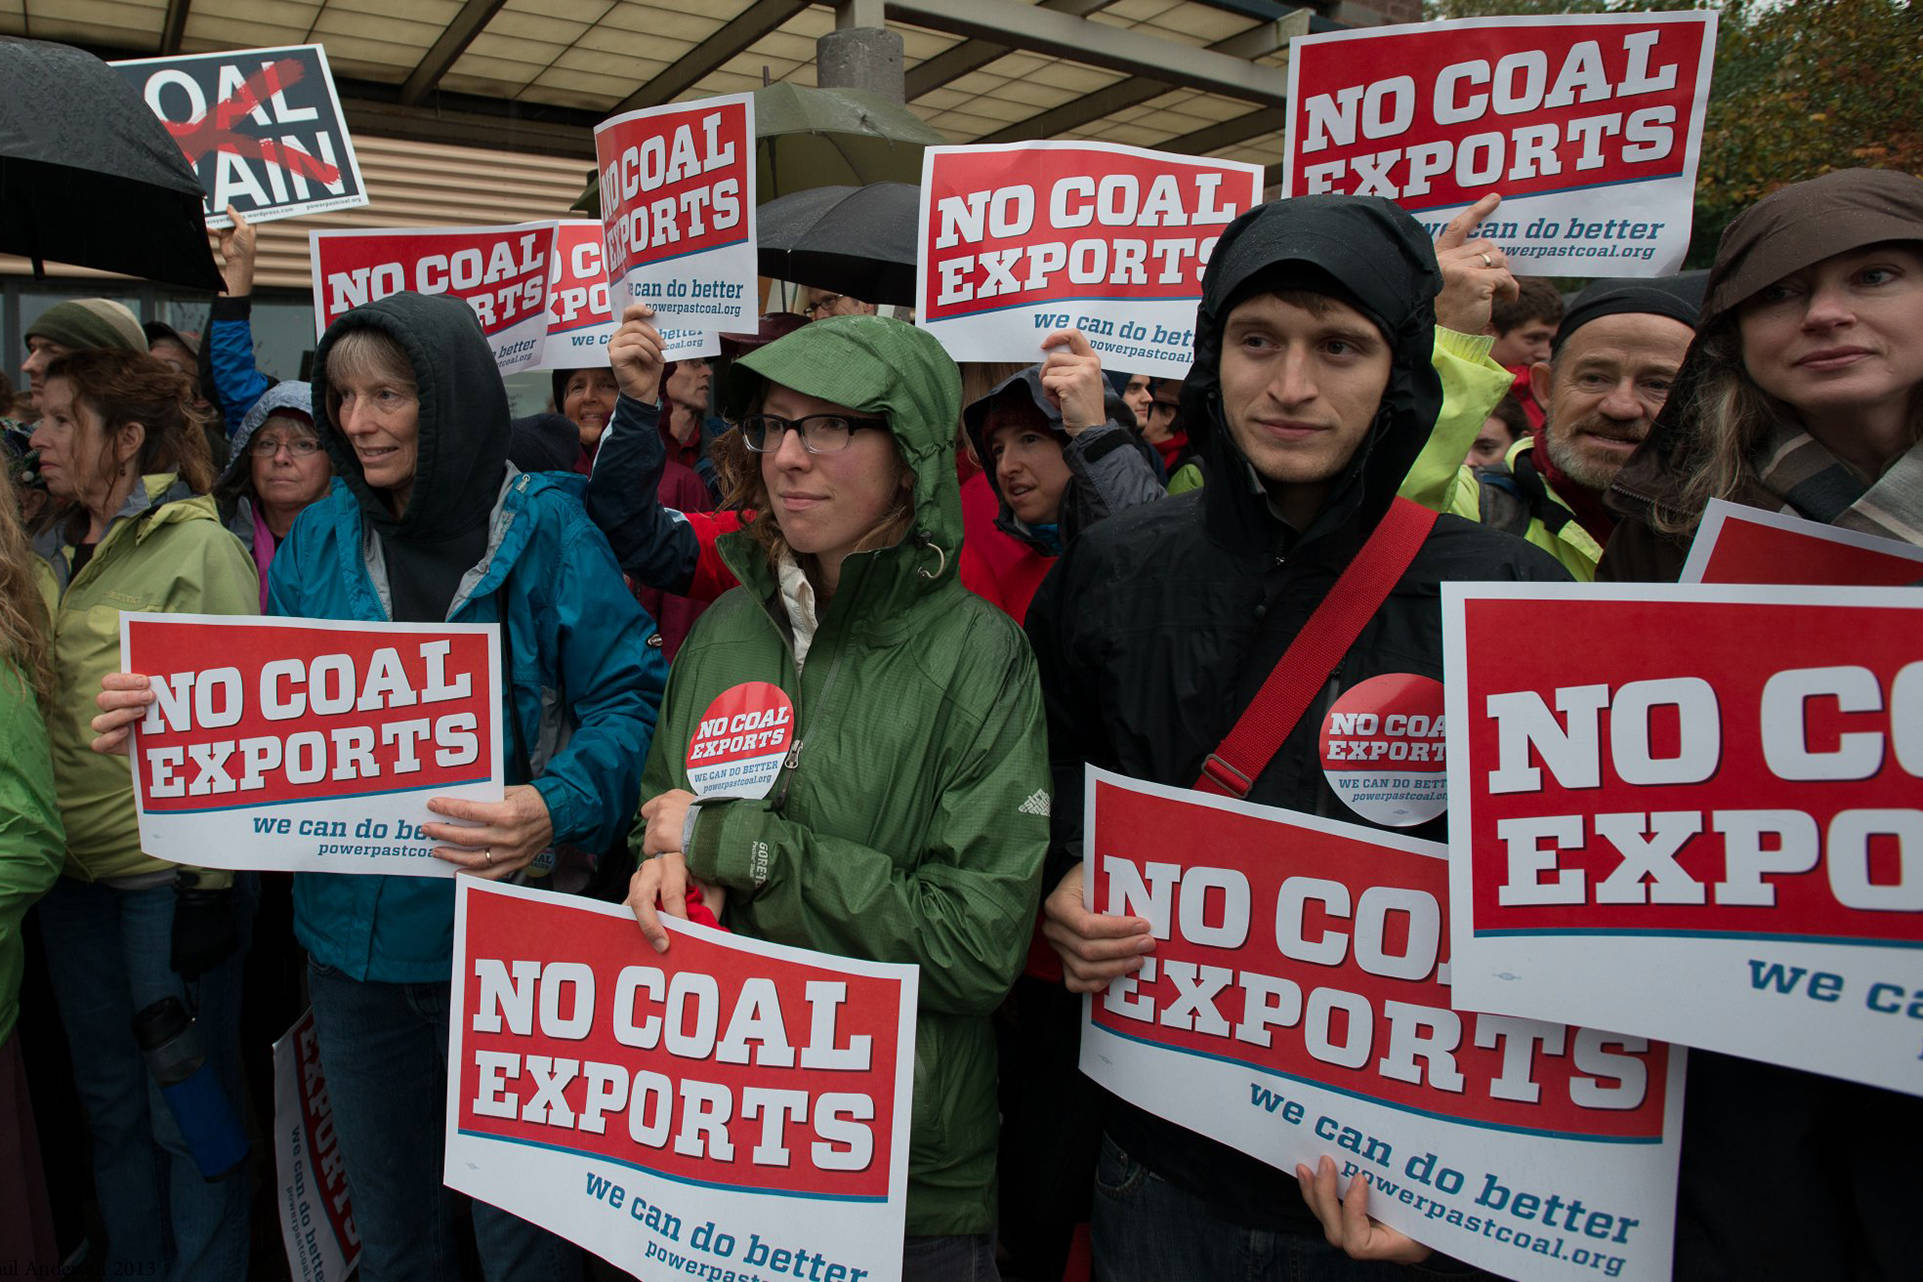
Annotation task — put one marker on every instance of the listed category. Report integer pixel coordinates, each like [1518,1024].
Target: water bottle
[187,1081]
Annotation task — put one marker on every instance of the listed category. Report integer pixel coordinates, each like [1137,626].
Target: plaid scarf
[1814,483]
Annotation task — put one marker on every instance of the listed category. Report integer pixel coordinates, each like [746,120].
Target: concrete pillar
[860,53]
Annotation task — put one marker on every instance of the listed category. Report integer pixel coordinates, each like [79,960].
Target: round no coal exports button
[1382,749]
[738,747]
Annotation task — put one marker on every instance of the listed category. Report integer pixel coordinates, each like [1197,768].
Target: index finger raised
[1458,229]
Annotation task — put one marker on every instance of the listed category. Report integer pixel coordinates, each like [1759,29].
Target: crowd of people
[973,583]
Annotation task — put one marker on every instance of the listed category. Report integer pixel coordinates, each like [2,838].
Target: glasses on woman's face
[296,446]
[820,433]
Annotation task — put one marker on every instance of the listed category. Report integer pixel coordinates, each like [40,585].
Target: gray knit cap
[82,323]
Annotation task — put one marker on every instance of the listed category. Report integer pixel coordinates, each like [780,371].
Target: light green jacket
[165,550]
[31,842]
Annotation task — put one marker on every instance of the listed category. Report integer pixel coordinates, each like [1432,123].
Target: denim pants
[383,1051]
[1148,1230]
[960,1257]
[108,955]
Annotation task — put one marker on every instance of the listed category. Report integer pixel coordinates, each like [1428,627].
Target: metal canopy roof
[535,75]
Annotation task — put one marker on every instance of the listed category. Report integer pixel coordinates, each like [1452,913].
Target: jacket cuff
[726,849]
[231,307]
[1094,443]
[1474,348]
[564,813]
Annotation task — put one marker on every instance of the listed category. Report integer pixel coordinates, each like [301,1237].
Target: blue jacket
[586,677]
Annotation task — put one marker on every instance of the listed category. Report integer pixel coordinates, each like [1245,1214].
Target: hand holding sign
[123,701]
[1094,948]
[1346,1222]
[1072,378]
[1474,272]
[635,354]
[494,839]
[237,254]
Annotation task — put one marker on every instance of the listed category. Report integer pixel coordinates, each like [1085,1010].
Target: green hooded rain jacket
[909,821]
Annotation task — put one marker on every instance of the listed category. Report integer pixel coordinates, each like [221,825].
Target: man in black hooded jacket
[1311,394]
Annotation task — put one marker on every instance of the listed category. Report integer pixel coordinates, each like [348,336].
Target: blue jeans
[107,951]
[1146,1229]
[383,1051]
[961,1257]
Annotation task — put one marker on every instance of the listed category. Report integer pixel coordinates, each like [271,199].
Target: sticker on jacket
[738,747]
[1382,749]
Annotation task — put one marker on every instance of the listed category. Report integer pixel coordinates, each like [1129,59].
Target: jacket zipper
[793,759]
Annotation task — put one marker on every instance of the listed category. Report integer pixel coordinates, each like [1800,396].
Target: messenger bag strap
[1359,592]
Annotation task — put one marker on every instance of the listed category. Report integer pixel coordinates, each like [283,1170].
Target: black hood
[460,455]
[1361,250]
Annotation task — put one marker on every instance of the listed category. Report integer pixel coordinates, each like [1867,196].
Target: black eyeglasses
[298,446]
[820,433]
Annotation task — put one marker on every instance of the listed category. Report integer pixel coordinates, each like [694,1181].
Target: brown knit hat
[82,323]
[1807,222]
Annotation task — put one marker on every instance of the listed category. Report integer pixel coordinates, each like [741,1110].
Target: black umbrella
[89,175]
[858,241]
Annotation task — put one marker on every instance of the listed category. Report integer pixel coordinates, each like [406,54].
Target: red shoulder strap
[1358,593]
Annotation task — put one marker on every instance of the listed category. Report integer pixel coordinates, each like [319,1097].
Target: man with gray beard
[1608,375]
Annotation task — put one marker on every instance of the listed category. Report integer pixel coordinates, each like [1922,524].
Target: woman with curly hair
[124,932]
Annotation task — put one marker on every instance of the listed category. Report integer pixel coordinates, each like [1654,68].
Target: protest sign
[500,272]
[728,1108]
[1692,813]
[1297,1005]
[262,128]
[316,1215]
[1737,544]
[1545,110]
[678,211]
[581,317]
[1021,239]
[309,745]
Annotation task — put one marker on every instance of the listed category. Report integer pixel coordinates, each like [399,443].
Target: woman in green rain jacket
[909,818]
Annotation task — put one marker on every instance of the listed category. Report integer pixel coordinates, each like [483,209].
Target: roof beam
[973,55]
[752,23]
[1258,41]
[1212,138]
[174,26]
[455,38]
[1061,35]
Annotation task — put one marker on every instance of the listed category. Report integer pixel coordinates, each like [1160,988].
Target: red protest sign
[581,316]
[761,1090]
[1539,109]
[677,208]
[1297,1003]
[308,744]
[1699,783]
[500,272]
[1737,544]
[1021,239]
[316,1213]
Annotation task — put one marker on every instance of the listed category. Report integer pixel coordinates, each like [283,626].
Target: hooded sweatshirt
[1110,469]
[1159,625]
[460,451]
[908,822]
